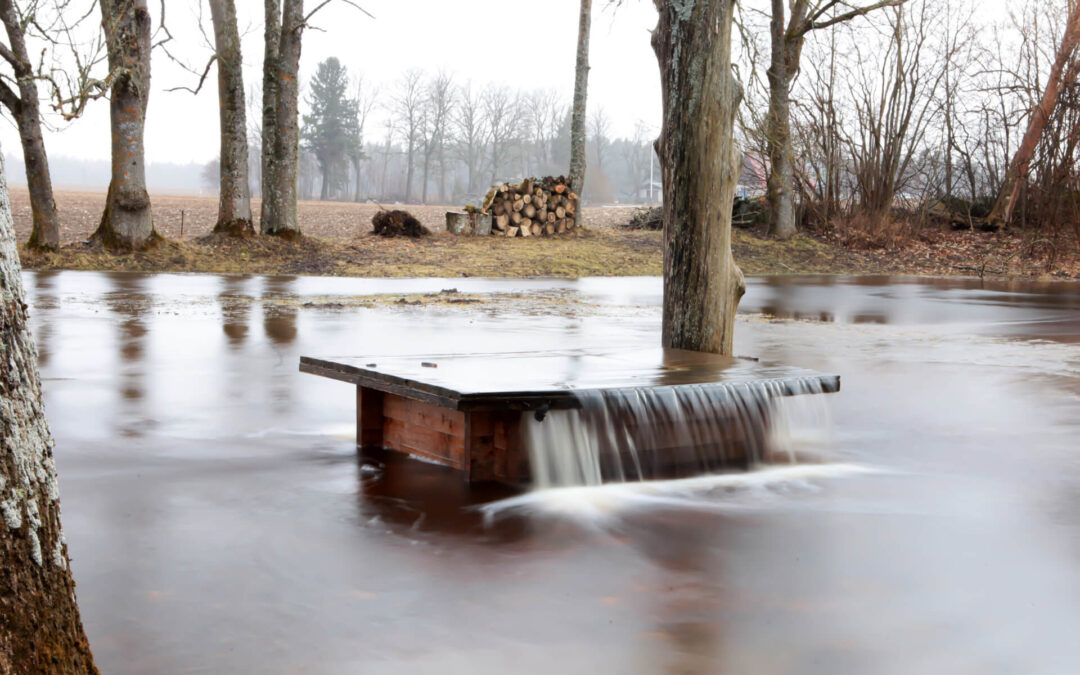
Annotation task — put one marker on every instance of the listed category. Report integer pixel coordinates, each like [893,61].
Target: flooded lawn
[220,521]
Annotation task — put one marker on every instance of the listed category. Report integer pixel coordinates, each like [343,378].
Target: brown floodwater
[220,521]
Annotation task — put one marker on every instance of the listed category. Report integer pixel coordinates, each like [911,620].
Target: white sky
[524,43]
[530,44]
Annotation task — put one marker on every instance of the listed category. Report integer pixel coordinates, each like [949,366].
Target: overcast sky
[520,43]
[523,43]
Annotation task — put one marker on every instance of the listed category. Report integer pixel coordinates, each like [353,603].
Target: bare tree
[700,165]
[23,106]
[502,119]
[787,39]
[234,196]
[1018,168]
[581,88]
[600,128]
[408,109]
[127,223]
[437,107]
[471,131]
[365,98]
[40,627]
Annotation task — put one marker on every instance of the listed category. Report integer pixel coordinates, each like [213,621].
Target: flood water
[220,521]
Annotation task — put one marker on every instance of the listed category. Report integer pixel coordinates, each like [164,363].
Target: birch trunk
[234,196]
[40,627]
[1018,168]
[282,219]
[24,109]
[127,223]
[700,166]
[577,118]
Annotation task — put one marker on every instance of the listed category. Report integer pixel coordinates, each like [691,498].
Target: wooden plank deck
[527,380]
[464,411]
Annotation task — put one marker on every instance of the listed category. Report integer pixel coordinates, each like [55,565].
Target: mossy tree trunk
[127,223]
[700,165]
[40,627]
[234,197]
[23,107]
[577,114]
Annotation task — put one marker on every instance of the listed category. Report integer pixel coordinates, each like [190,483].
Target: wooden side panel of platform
[485,445]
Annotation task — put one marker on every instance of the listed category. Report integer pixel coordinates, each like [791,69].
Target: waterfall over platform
[573,416]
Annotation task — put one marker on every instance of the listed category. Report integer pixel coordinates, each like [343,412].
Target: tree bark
[127,223]
[40,627]
[280,215]
[234,196]
[271,44]
[1018,168]
[781,184]
[700,165]
[577,115]
[24,109]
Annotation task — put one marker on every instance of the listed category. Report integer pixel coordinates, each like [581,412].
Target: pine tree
[332,126]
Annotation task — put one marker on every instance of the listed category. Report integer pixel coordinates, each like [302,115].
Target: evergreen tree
[332,127]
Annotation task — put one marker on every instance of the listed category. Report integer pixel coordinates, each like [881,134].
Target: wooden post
[369,417]
[479,446]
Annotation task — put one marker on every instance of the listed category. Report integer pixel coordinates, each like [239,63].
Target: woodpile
[536,207]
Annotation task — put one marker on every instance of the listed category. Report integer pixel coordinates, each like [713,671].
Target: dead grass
[338,241]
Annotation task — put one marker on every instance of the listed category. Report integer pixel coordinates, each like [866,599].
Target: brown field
[80,213]
[338,241]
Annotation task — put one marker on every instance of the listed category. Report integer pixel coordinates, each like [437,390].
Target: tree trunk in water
[780,193]
[283,219]
[234,198]
[577,115]
[271,44]
[1018,168]
[40,628]
[24,108]
[127,223]
[700,165]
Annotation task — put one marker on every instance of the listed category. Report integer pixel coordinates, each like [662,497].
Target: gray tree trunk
[234,198]
[781,184]
[577,115]
[24,109]
[271,43]
[281,218]
[700,164]
[40,627]
[127,223]
[410,154]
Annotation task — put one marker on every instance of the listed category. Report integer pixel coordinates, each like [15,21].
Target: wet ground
[219,520]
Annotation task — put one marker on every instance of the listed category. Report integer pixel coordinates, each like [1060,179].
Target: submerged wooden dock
[465,411]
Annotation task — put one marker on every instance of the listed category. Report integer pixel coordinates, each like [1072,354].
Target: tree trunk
[40,628]
[577,118]
[1018,168]
[127,223]
[24,109]
[780,192]
[700,165]
[324,190]
[282,219]
[234,198]
[409,171]
[271,45]
[356,166]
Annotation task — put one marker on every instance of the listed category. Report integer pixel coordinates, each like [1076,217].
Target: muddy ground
[338,241]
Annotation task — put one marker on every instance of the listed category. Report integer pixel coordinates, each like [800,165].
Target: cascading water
[634,434]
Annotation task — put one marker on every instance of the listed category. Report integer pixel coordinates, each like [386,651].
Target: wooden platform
[464,410]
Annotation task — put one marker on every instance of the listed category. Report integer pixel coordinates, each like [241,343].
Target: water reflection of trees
[128,300]
[44,301]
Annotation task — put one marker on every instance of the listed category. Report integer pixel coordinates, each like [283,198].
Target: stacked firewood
[532,208]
